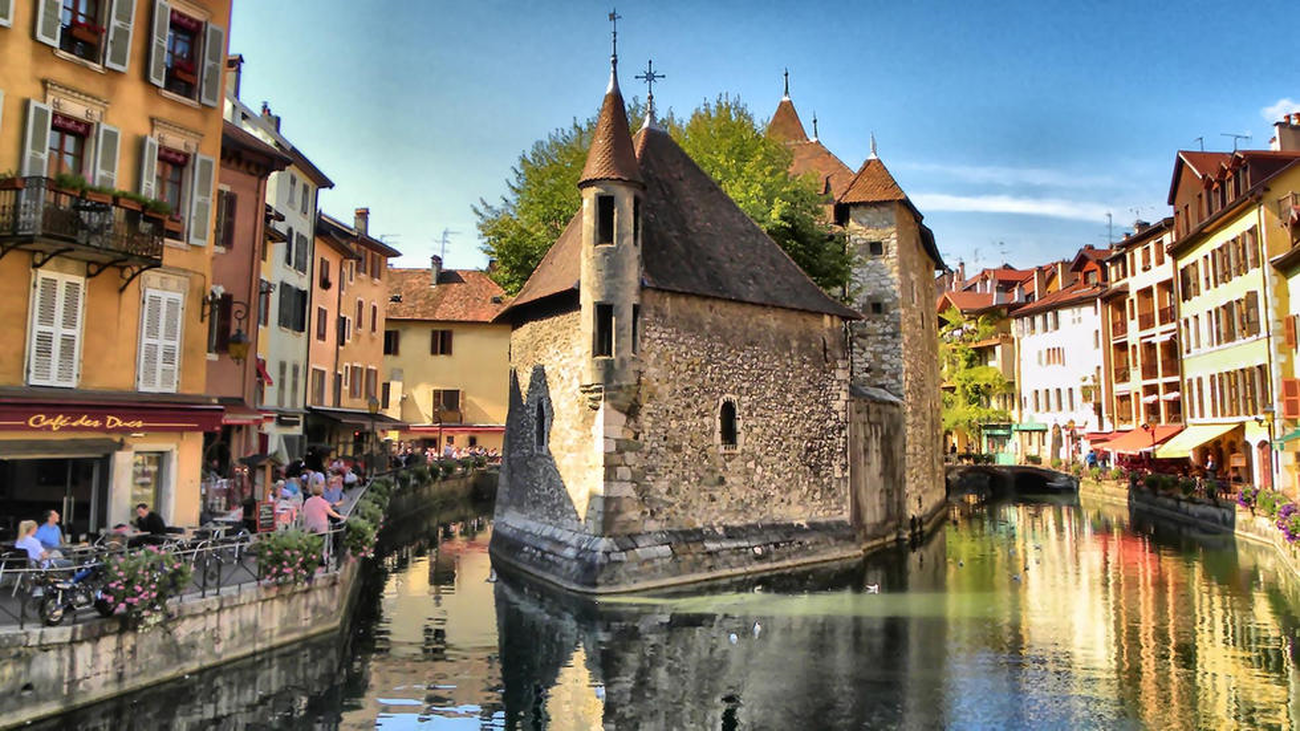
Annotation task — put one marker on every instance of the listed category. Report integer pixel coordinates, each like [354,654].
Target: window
[362,262]
[355,375]
[374,317]
[876,248]
[54,337]
[1251,314]
[306,199]
[183,57]
[636,221]
[293,189]
[345,329]
[82,31]
[338,387]
[226,201]
[878,308]
[293,308]
[440,342]
[385,392]
[169,179]
[727,431]
[636,329]
[284,380]
[317,387]
[1070,394]
[322,323]
[288,247]
[602,345]
[220,322]
[392,342]
[293,395]
[263,303]
[372,383]
[445,400]
[361,314]
[67,146]
[1058,399]
[300,253]
[1037,406]
[323,268]
[147,475]
[160,341]
[604,219]
[539,426]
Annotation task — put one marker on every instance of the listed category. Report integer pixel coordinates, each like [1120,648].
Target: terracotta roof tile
[966,301]
[611,156]
[785,125]
[872,184]
[462,295]
[813,157]
[1075,293]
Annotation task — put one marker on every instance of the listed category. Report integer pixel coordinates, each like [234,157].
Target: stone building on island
[895,346]
[679,390]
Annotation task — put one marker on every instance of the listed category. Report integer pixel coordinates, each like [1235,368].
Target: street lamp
[372,404]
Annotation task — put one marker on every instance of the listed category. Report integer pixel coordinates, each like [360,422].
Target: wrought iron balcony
[37,216]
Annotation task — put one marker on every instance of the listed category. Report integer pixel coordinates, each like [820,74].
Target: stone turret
[610,269]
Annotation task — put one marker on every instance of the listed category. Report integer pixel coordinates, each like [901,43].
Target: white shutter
[121,18]
[161,327]
[148,167]
[49,24]
[54,349]
[36,140]
[6,13]
[201,200]
[214,61]
[106,147]
[162,23]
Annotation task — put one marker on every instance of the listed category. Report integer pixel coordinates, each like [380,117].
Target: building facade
[446,362]
[102,404]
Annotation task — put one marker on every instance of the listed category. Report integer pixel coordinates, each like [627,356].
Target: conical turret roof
[785,125]
[611,156]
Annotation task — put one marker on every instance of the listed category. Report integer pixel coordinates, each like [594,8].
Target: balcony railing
[1118,328]
[1166,314]
[33,209]
[1146,320]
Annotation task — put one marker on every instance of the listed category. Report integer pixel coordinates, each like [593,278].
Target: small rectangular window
[604,219]
[636,328]
[877,307]
[322,322]
[603,332]
[392,342]
[385,391]
[440,342]
[876,248]
[636,221]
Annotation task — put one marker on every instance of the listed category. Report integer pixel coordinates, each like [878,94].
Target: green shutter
[162,22]
[205,169]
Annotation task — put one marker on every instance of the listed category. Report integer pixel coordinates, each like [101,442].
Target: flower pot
[98,197]
[173,226]
[85,33]
[187,76]
[13,183]
[127,203]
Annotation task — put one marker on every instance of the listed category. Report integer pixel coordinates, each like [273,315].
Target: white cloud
[1283,106]
[1052,207]
[1003,175]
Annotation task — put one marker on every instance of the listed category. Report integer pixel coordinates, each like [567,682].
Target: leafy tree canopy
[724,140]
[970,386]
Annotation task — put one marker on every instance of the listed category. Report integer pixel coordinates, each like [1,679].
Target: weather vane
[613,23]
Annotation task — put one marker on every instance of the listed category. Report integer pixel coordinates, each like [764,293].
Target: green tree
[726,142]
[970,387]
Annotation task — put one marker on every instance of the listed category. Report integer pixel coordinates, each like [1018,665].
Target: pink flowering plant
[289,557]
[138,584]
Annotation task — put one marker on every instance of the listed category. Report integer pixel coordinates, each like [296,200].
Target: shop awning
[1097,439]
[1291,436]
[240,413]
[1191,438]
[67,417]
[1029,426]
[57,448]
[1141,440]
[356,417]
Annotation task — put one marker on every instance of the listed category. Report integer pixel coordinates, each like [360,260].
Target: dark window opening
[539,426]
[83,33]
[182,55]
[603,332]
[727,423]
[226,201]
[877,248]
[392,342]
[877,308]
[385,391]
[473,441]
[67,146]
[636,221]
[636,328]
[604,219]
[439,342]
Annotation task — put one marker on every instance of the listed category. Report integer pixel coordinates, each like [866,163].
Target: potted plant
[131,201]
[10,180]
[173,226]
[98,194]
[183,69]
[156,209]
[86,32]
[69,184]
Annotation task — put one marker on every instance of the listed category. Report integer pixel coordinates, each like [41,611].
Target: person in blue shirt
[49,534]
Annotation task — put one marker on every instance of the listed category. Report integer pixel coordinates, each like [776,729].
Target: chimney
[1286,134]
[361,221]
[234,67]
[1040,282]
[435,269]
[1064,277]
[273,119]
[961,275]
[1139,226]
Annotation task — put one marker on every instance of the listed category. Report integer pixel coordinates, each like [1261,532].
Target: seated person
[49,534]
[333,492]
[38,556]
[147,521]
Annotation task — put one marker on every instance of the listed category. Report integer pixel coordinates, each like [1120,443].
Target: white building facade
[1059,362]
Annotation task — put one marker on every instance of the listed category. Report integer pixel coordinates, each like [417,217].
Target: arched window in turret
[539,427]
[728,430]
[604,220]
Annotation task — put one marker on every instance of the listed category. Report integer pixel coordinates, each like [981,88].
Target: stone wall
[897,349]
[876,465]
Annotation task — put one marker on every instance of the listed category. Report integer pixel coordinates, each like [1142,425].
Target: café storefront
[93,461]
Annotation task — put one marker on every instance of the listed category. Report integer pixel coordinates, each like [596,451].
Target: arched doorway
[1265,462]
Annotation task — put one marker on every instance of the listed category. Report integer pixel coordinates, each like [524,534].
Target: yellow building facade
[110,135]
[446,363]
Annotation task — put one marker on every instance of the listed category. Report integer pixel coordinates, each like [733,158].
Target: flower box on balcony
[128,203]
[173,226]
[96,196]
[186,76]
[85,32]
[13,183]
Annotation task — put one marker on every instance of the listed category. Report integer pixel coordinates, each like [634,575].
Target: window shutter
[36,140]
[214,55]
[148,167]
[150,341]
[1291,398]
[169,362]
[6,13]
[121,19]
[106,145]
[160,341]
[225,319]
[201,200]
[446,342]
[300,253]
[288,248]
[49,24]
[1289,331]
[55,347]
[162,19]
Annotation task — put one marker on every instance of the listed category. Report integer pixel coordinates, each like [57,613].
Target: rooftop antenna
[1235,138]
[446,234]
[1201,141]
[1110,228]
[650,77]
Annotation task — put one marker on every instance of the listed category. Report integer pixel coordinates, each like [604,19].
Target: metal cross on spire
[650,77]
[787,83]
[614,17]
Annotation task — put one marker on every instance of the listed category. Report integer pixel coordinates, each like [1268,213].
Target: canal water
[1025,614]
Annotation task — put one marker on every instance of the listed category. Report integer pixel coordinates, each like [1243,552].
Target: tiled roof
[785,125]
[872,184]
[965,301]
[812,157]
[462,295]
[1075,293]
[611,156]
[694,240]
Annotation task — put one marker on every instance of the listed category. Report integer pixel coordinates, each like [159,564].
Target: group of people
[314,496]
[408,454]
[44,543]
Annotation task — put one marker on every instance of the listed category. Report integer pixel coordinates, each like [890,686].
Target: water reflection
[1016,615]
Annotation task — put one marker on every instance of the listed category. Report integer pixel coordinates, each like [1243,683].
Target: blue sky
[1014,126]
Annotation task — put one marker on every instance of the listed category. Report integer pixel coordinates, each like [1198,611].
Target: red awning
[1098,438]
[262,375]
[1141,440]
[458,429]
[241,413]
[67,417]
